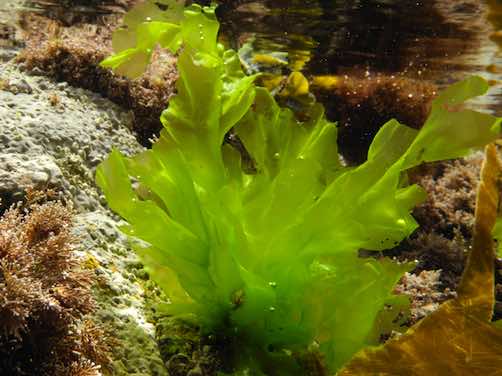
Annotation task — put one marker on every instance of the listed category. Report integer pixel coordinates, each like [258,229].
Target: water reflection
[66,11]
[442,41]
[495,67]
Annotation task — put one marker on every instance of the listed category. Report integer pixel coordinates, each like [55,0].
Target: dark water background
[442,41]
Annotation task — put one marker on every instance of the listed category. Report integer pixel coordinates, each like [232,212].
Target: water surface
[442,41]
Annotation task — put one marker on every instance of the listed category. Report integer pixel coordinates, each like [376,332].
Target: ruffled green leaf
[145,26]
[450,131]
[268,256]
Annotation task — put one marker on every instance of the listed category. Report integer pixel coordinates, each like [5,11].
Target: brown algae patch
[73,53]
[362,105]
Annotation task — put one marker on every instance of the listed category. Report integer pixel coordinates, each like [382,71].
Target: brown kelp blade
[458,338]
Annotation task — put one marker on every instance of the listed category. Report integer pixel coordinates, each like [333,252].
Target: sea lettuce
[267,257]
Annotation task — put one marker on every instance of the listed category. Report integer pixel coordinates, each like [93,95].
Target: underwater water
[269,188]
[428,40]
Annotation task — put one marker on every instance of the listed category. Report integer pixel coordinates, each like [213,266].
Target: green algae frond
[268,259]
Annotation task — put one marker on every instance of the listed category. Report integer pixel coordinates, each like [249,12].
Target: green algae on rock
[271,269]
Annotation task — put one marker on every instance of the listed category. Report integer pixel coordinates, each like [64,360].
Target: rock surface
[53,136]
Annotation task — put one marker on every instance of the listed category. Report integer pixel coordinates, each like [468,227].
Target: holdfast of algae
[267,258]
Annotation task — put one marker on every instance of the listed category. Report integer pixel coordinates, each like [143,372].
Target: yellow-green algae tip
[269,60]
[326,82]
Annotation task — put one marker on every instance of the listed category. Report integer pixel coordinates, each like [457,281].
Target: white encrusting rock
[54,136]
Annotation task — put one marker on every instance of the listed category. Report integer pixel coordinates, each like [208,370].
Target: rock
[76,133]
[18,86]
[423,292]
[58,144]
[21,171]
